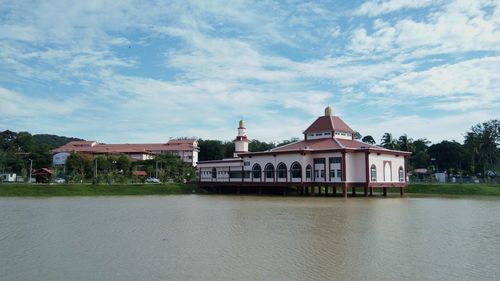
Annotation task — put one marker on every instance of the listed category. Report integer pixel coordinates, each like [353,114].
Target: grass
[45,190]
[454,189]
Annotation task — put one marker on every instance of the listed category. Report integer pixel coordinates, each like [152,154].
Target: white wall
[355,166]
[378,161]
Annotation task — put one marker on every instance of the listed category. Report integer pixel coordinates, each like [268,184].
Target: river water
[194,237]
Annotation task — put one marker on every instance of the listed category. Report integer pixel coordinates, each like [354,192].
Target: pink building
[327,158]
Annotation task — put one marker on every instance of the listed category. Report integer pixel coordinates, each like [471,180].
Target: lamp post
[31,168]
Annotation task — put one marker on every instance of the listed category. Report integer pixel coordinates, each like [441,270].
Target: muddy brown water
[193,237]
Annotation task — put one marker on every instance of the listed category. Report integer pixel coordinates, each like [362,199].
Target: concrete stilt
[385,191]
[402,191]
[366,191]
[353,191]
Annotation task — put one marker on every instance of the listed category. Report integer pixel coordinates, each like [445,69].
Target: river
[196,237]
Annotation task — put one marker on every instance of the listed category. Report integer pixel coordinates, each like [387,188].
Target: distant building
[8,177]
[186,149]
[328,156]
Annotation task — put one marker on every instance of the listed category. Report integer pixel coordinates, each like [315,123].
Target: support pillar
[366,191]
[371,191]
[353,191]
[334,190]
[385,191]
[402,191]
[344,191]
[319,190]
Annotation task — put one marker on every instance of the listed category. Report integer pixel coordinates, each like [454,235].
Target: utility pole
[31,168]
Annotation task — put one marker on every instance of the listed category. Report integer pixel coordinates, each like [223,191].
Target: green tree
[368,139]
[448,155]
[256,146]
[388,142]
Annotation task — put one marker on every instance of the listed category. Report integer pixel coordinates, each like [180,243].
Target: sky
[146,71]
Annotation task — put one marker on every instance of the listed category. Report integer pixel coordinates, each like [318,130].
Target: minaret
[241,141]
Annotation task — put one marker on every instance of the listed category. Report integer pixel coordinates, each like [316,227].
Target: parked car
[60,180]
[152,180]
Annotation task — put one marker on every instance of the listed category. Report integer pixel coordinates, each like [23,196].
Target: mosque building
[328,158]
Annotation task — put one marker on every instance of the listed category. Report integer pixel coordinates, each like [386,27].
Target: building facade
[185,149]
[327,158]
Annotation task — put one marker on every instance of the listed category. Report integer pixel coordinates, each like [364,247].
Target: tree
[357,135]
[388,142]
[482,147]
[289,141]
[419,157]
[448,155]
[256,146]
[368,139]
[405,144]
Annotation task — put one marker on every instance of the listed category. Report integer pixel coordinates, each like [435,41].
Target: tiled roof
[329,124]
[146,148]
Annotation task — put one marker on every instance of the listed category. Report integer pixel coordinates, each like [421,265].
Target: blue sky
[145,71]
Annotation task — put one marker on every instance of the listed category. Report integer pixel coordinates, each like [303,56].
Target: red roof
[329,124]
[139,173]
[43,171]
[144,148]
[326,144]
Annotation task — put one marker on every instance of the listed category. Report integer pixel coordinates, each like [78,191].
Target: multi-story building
[185,149]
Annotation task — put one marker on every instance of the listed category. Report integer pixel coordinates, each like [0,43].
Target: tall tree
[448,156]
[388,142]
[368,139]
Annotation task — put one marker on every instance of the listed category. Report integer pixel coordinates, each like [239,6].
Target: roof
[326,144]
[43,171]
[144,148]
[329,124]
[139,173]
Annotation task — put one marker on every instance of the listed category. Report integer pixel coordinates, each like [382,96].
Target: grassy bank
[92,190]
[454,189]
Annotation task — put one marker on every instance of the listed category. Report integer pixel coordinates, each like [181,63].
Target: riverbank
[45,190]
[454,189]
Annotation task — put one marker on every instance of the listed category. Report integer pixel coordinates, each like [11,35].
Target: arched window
[269,171]
[256,171]
[281,170]
[373,173]
[401,174]
[214,173]
[296,170]
[308,171]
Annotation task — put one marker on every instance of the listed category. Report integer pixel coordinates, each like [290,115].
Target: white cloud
[478,78]
[18,105]
[460,26]
[378,7]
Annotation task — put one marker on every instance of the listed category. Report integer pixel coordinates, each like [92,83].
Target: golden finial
[328,111]
[242,124]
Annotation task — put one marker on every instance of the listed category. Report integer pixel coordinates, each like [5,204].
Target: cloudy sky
[145,71]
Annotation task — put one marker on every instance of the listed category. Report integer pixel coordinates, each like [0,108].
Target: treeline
[478,155]
[17,150]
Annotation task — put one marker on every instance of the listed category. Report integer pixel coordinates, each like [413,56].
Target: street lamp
[31,168]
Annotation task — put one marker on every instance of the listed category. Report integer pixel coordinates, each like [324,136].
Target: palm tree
[388,142]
